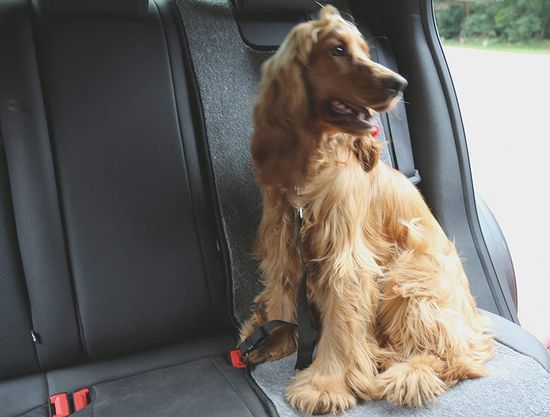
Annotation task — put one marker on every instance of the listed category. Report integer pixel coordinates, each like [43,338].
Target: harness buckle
[261,336]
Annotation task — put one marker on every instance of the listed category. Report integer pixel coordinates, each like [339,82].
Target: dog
[396,316]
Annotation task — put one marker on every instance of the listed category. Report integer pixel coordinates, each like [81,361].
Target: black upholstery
[113,216]
[34,191]
[180,390]
[108,240]
[132,240]
[264,24]
[22,395]
[15,321]
[118,8]
[306,6]
[134,381]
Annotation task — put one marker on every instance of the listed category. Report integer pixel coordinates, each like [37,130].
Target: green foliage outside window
[510,21]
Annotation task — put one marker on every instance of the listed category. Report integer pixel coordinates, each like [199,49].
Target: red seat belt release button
[81,399]
[60,405]
[236,359]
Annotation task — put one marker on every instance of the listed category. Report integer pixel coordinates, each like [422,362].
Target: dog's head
[344,84]
[321,80]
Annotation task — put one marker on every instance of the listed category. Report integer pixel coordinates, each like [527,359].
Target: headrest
[98,8]
[283,6]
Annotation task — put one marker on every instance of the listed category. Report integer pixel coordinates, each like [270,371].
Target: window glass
[498,52]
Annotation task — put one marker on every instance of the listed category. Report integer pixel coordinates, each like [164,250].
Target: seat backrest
[17,352]
[106,182]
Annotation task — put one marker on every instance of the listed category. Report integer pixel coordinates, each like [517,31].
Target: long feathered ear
[368,151]
[280,144]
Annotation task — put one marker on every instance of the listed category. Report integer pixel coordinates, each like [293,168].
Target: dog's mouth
[351,116]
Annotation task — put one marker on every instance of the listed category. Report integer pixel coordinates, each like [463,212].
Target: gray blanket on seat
[517,386]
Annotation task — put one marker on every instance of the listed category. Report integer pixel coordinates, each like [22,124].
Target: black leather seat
[108,241]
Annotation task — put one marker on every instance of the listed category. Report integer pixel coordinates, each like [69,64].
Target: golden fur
[397,319]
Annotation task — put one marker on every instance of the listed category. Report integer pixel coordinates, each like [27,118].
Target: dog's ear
[279,144]
[368,151]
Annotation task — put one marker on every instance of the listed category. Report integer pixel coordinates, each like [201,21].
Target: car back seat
[109,258]
[110,275]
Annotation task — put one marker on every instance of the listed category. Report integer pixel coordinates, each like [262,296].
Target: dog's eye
[339,50]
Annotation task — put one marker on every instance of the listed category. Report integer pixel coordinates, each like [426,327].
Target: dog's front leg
[281,272]
[275,302]
[345,364]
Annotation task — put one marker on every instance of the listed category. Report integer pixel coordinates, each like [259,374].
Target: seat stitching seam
[509,346]
[231,384]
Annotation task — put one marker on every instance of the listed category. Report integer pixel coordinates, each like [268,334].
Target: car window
[498,52]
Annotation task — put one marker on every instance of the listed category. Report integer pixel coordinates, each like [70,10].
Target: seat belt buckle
[59,404]
[262,340]
[236,359]
[81,399]
[255,341]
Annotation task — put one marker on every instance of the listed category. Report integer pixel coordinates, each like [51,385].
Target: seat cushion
[181,390]
[41,411]
[177,380]
[516,386]
[24,396]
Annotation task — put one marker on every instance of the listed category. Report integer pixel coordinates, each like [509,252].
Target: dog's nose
[396,84]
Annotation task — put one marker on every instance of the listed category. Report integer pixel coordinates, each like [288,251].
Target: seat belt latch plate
[81,399]
[60,405]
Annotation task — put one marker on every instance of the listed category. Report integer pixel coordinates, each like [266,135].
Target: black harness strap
[261,336]
[306,333]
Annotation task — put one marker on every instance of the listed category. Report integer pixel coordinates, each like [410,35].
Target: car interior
[129,207]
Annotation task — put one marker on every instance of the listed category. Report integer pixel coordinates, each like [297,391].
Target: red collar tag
[376,132]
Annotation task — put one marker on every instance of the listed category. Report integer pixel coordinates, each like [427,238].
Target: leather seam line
[58,198]
[202,134]
[184,159]
[231,384]
[26,297]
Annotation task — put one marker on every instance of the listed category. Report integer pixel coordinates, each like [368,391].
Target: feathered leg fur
[280,271]
[428,319]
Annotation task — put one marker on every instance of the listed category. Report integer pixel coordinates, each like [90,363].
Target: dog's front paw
[413,383]
[265,354]
[315,393]
[281,343]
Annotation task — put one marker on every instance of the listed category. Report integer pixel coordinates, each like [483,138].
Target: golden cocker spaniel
[397,319]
